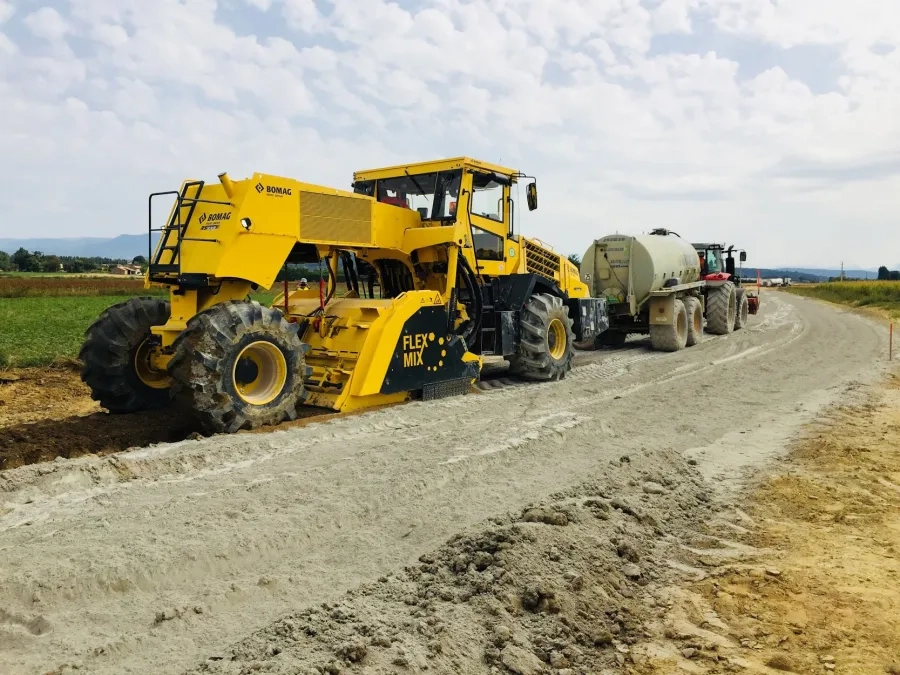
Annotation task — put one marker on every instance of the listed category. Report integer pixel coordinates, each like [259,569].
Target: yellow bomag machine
[436,278]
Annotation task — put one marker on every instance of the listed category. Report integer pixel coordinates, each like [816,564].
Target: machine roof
[433,165]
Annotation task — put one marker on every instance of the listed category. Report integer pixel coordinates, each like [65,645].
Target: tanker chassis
[652,284]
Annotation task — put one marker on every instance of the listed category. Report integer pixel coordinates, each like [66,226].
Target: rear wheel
[546,346]
[743,311]
[672,337]
[721,307]
[694,311]
[115,357]
[239,365]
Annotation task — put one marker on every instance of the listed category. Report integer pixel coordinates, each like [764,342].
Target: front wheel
[547,344]
[239,365]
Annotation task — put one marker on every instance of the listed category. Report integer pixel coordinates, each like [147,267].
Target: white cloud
[6,11]
[674,16]
[110,35]
[804,22]
[623,132]
[47,23]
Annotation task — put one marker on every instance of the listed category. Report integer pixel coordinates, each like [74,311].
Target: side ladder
[172,233]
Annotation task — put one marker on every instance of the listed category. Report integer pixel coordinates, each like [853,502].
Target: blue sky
[769,124]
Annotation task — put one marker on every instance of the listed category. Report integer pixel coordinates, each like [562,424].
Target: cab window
[488,246]
[487,197]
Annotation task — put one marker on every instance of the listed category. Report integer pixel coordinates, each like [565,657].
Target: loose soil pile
[559,587]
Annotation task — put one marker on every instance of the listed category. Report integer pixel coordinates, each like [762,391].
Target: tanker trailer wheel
[743,310]
[239,365]
[115,357]
[547,345]
[695,320]
[673,337]
[721,308]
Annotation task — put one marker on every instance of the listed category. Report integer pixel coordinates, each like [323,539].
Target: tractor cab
[718,262]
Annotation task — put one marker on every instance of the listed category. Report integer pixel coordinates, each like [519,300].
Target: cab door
[489,212]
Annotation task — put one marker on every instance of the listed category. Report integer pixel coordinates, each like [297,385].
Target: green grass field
[40,330]
[883,295]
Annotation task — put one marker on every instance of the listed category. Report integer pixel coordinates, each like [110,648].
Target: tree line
[36,261]
[884,274]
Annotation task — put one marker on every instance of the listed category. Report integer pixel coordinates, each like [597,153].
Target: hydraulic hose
[471,282]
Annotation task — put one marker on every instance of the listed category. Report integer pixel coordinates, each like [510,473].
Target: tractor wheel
[547,348]
[610,338]
[673,337]
[721,307]
[694,310]
[239,365]
[743,310]
[114,357]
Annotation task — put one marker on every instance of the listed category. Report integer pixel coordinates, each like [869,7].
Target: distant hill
[124,246]
[850,274]
[795,275]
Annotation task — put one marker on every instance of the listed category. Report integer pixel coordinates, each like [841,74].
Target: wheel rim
[260,373]
[556,339]
[143,368]
[681,324]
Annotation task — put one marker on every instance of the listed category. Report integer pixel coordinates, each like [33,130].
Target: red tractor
[727,302]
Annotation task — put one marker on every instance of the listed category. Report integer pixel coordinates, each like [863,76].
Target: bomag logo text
[218,217]
[413,346]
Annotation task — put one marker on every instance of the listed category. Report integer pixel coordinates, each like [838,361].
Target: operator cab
[715,259]
[446,191]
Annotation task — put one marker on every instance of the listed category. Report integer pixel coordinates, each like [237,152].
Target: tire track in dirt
[228,533]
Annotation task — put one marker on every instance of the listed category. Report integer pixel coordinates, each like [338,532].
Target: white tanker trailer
[651,284]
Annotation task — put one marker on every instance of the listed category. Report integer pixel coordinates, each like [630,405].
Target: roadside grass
[883,295]
[42,330]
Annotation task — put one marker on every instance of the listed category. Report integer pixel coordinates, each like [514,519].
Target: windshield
[434,195]
[714,261]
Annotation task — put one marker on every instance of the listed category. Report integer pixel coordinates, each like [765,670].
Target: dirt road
[99,555]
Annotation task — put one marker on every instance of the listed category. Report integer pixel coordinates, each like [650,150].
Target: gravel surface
[153,560]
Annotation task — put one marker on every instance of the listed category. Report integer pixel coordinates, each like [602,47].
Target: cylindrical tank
[654,260]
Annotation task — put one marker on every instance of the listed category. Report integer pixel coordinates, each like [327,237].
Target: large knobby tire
[672,337]
[239,365]
[694,310]
[547,342]
[114,356]
[743,310]
[721,308]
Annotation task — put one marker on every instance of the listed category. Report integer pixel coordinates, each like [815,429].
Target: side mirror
[531,194]
[743,256]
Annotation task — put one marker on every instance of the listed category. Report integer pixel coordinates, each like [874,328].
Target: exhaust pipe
[227,184]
